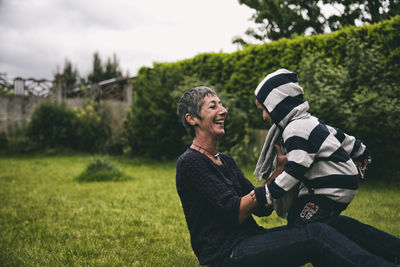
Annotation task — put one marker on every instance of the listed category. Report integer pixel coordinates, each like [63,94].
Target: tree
[276,19]
[70,76]
[97,72]
[112,69]
[102,72]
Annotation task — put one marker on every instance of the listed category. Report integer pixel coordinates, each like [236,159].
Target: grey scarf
[266,163]
[267,160]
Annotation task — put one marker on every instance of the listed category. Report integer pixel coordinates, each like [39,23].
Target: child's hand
[362,166]
[280,164]
[281,159]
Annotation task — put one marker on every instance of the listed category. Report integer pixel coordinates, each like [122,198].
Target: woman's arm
[247,205]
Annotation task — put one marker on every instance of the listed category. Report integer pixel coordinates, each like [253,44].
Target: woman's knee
[320,231]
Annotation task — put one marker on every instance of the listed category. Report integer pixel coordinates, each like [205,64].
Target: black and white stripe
[281,96]
[319,156]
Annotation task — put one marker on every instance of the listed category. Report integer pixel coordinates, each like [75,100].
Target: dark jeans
[374,240]
[313,208]
[318,208]
[317,243]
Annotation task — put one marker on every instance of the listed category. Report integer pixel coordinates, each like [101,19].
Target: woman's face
[213,116]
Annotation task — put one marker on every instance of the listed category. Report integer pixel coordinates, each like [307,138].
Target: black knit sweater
[210,196]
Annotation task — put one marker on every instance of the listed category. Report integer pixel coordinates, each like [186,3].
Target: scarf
[266,163]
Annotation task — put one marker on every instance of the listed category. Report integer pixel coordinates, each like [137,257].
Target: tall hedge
[337,66]
[152,126]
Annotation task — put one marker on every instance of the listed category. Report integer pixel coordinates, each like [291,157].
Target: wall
[16,111]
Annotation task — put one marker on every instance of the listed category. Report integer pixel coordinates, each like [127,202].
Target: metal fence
[116,88]
[30,86]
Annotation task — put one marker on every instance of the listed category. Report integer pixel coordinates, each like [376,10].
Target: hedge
[339,66]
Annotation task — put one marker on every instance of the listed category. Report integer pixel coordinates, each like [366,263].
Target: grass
[47,218]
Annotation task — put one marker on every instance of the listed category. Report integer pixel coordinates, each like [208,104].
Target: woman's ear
[190,119]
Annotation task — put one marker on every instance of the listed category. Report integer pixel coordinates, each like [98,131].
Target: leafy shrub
[115,145]
[324,85]
[55,125]
[356,96]
[52,125]
[92,129]
[16,141]
[3,141]
[152,126]
[101,169]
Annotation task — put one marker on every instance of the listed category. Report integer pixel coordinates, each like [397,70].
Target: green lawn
[49,219]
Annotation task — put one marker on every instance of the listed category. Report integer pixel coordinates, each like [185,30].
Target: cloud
[40,34]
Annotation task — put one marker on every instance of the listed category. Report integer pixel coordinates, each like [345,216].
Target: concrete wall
[118,112]
[17,110]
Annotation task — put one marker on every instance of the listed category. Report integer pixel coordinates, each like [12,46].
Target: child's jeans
[313,208]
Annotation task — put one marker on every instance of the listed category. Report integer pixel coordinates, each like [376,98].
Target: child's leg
[312,209]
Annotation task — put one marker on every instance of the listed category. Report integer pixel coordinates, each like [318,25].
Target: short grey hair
[191,102]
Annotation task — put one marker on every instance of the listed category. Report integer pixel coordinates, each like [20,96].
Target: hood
[282,97]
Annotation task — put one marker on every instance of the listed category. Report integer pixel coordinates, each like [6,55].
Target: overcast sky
[37,35]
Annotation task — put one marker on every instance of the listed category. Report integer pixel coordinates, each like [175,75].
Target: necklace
[214,155]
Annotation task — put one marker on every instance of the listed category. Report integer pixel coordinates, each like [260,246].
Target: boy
[320,158]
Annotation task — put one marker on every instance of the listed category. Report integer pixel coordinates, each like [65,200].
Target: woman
[218,202]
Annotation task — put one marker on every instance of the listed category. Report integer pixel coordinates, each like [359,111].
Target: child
[319,167]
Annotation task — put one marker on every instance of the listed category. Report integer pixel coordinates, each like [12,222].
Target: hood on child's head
[282,97]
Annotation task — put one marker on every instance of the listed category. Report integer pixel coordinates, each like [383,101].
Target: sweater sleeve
[353,146]
[211,186]
[247,187]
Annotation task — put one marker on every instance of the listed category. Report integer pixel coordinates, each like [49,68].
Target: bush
[92,128]
[115,145]
[152,126]
[52,125]
[356,96]
[101,169]
[55,125]
[3,141]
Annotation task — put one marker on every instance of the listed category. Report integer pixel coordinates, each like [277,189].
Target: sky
[37,36]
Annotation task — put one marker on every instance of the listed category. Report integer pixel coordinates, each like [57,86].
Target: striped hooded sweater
[319,157]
